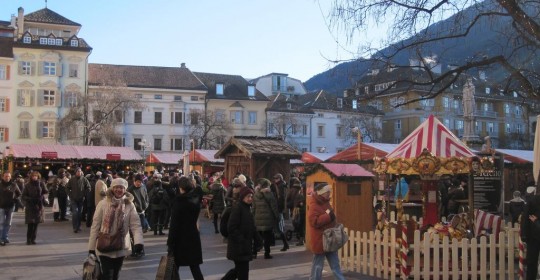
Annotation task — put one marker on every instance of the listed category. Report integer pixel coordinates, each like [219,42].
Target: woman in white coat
[116,212]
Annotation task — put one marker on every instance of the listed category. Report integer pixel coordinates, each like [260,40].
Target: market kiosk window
[354,189]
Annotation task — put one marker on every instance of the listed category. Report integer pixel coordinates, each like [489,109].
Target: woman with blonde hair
[35,196]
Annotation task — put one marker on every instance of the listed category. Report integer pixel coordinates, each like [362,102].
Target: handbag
[55,206]
[91,268]
[107,242]
[334,238]
[167,269]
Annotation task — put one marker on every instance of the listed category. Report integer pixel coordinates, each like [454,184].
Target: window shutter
[39,130]
[32,97]
[172,117]
[6,134]
[59,69]
[20,70]
[8,68]
[32,68]
[57,98]
[19,92]
[64,99]
[7,104]
[40,68]
[40,97]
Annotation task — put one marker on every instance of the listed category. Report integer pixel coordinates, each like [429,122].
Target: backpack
[158,196]
[224,222]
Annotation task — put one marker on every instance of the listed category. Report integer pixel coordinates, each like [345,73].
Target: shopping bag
[167,269]
[334,238]
[91,268]
[55,206]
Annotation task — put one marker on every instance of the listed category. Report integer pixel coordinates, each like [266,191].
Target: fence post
[404,250]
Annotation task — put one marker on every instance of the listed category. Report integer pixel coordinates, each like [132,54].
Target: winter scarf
[114,216]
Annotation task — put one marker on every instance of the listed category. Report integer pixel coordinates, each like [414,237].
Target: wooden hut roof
[259,146]
[345,170]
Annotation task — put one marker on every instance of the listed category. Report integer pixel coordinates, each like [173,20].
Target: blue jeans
[318,263]
[5,221]
[76,213]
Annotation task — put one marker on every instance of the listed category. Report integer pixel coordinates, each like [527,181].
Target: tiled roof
[260,146]
[48,16]
[144,76]
[6,47]
[322,100]
[5,24]
[235,87]
[83,45]
[280,101]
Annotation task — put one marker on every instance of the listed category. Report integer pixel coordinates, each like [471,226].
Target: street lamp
[144,146]
[358,132]
[192,151]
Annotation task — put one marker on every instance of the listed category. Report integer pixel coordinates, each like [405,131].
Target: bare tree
[411,33]
[208,130]
[286,126]
[92,119]
[370,131]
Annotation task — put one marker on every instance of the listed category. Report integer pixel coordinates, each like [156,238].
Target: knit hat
[242,178]
[323,189]
[119,182]
[243,192]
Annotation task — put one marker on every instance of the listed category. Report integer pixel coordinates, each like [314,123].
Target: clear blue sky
[243,37]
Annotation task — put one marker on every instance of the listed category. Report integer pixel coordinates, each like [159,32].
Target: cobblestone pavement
[59,254]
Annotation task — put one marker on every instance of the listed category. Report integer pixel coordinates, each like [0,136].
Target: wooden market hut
[352,192]
[258,157]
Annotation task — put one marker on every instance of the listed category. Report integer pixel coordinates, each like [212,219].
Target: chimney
[183,65]
[482,75]
[20,22]
[345,93]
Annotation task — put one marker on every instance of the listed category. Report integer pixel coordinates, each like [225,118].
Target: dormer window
[59,42]
[74,43]
[43,41]
[340,102]
[27,39]
[51,41]
[251,90]
[354,104]
[219,89]
[488,90]
[289,106]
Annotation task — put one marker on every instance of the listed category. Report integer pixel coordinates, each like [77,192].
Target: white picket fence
[376,254]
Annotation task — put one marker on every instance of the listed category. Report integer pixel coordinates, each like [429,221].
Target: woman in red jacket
[320,217]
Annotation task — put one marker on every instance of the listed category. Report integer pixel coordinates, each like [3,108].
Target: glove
[138,249]
[332,215]
[92,252]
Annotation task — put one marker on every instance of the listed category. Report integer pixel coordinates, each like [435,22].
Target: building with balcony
[279,83]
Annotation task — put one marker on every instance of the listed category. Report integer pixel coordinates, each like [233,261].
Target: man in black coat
[280,189]
[530,233]
[9,193]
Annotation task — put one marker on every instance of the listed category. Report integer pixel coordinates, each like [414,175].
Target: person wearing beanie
[280,189]
[321,216]
[140,199]
[116,214]
[243,238]
[265,212]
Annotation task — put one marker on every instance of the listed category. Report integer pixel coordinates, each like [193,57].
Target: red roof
[368,151]
[71,152]
[174,158]
[433,136]
[346,169]
[309,157]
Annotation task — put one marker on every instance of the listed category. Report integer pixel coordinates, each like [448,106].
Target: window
[177,98]
[354,189]
[519,128]
[4,72]
[339,131]
[446,123]
[43,41]
[97,116]
[51,41]
[271,128]
[157,117]
[354,104]
[74,43]
[138,95]
[27,39]
[157,144]
[427,102]
[158,96]
[377,104]
[137,117]
[252,117]
[398,124]
[397,103]
[320,130]
[177,144]
[251,91]
[47,129]
[4,105]
[136,145]
[490,127]
[26,68]
[340,103]
[24,129]
[519,111]
[220,115]
[289,106]
[446,102]
[194,98]
[58,42]
[74,70]
[294,129]
[71,99]
[507,109]
[507,128]
[25,98]
[176,117]
[237,117]
[194,118]
[49,68]
[477,126]
[48,98]
[459,124]
[219,89]
[320,115]
[119,116]
[304,130]
[4,134]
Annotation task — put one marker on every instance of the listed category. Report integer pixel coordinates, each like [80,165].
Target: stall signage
[114,157]
[488,186]
[50,155]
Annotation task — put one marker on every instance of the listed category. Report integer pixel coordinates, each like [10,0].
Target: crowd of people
[250,215]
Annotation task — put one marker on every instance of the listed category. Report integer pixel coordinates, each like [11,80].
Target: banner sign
[49,155]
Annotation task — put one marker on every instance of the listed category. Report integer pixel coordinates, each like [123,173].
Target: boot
[285,243]
[267,255]
[161,230]
[155,231]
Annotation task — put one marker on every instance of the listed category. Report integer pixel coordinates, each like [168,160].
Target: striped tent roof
[436,138]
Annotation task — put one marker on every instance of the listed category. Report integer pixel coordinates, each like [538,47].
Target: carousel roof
[70,152]
[433,136]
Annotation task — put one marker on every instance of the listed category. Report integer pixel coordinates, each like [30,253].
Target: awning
[36,151]
[197,156]
[517,156]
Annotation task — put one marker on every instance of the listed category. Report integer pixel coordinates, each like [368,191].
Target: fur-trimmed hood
[128,197]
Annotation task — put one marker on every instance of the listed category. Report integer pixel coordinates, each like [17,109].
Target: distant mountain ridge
[483,39]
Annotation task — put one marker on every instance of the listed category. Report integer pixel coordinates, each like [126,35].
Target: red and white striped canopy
[433,136]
